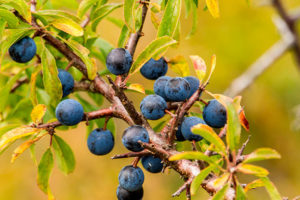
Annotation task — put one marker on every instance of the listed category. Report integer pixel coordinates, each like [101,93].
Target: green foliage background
[238,37]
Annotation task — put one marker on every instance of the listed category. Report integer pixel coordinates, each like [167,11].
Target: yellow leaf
[38,113]
[15,134]
[19,150]
[68,26]
[252,169]
[179,65]
[213,7]
[199,66]
[136,87]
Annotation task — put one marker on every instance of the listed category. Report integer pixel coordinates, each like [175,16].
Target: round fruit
[123,194]
[152,164]
[100,142]
[179,136]
[23,50]
[177,89]
[69,112]
[186,126]
[194,84]
[214,114]
[131,178]
[154,69]
[153,107]
[118,61]
[67,81]
[132,135]
[159,86]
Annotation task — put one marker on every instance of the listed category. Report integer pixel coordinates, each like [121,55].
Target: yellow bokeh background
[238,38]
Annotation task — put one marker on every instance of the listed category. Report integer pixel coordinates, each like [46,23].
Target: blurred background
[238,38]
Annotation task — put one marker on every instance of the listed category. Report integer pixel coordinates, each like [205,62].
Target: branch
[132,154]
[18,84]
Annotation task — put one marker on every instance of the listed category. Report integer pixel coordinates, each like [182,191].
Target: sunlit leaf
[21,6]
[68,26]
[84,6]
[220,195]
[155,20]
[32,84]
[64,155]
[213,7]
[7,127]
[15,134]
[210,70]
[136,87]
[170,19]
[123,36]
[44,170]
[270,187]
[243,120]
[154,47]
[179,65]
[129,14]
[221,181]
[252,169]
[58,14]
[195,22]
[254,184]
[210,135]
[240,192]
[200,178]
[2,27]
[8,16]
[199,66]
[38,113]
[262,154]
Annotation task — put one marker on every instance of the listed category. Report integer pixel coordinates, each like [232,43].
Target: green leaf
[254,184]
[221,181]
[13,36]
[57,14]
[195,22]
[34,75]
[138,18]
[38,113]
[210,70]
[64,155]
[84,6]
[154,47]
[129,14]
[116,21]
[7,127]
[270,187]
[179,65]
[240,192]
[200,178]
[159,126]
[50,77]
[211,136]
[123,36]
[262,154]
[8,16]
[21,6]
[44,170]
[68,26]
[213,7]
[102,12]
[170,19]
[220,195]
[252,169]
[2,28]
[17,133]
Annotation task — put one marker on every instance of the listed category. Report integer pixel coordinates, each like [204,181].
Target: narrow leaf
[129,14]
[179,65]
[262,154]
[270,187]
[210,70]
[213,7]
[123,36]
[254,184]
[58,14]
[38,113]
[252,169]
[153,48]
[200,178]
[68,26]
[211,136]
[220,195]
[33,96]
[64,155]
[84,6]
[44,170]
[136,87]
[170,19]
[221,181]
[243,120]
[199,66]
[21,6]
[8,16]
[240,192]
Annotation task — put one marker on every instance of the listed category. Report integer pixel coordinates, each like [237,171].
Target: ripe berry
[67,82]
[214,114]
[186,126]
[154,69]
[69,112]
[179,136]
[153,107]
[152,164]
[194,84]
[177,89]
[132,135]
[23,50]
[118,61]
[123,194]
[131,178]
[159,86]
[100,142]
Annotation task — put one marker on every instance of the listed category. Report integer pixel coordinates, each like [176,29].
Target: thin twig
[132,154]
[183,187]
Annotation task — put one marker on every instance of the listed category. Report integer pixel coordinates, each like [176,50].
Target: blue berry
[179,136]
[159,86]
[194,84]
[214,114]
[100,142]
[67,81]
[153,107]
[69,112]
[118,61]
[177,89]
[154,69]
[131,178]
[23,50]
[152,164]
[132,135]
[186,126]
[123,194]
